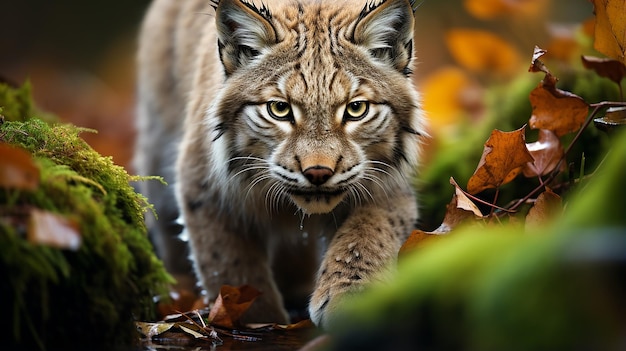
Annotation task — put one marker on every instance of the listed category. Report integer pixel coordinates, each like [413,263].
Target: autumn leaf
[547,151]
[462,202]
[482,51]
[417,240]
[614,119]
[503,156]
[46,228]
[612,69]
[231,304]
[610,30]
[557,110]
[487,9]
[547,207]
[450,93]
[17,169]
[536,65]
[460,210]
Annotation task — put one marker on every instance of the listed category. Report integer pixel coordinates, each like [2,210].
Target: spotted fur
[290,130]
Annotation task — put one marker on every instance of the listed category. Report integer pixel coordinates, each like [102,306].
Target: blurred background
[79,57]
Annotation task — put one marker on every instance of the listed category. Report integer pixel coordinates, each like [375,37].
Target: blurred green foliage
[501,288]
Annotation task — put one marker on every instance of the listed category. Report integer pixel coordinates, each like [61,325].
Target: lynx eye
[356,110]
[279,110]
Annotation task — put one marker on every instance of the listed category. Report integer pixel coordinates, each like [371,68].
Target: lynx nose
[318,175]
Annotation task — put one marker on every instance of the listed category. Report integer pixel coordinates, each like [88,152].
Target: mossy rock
[87,298]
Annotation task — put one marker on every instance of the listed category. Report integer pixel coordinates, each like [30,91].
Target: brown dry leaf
[462,202]
[610,30]
[536,65]
[487,9]
[303,324]
[50,229]
[557,110]
[17,169]
[547,206]
[417,240]
[503,156]
[547,151]
[231,304]
[455,215]
[482,51]
[604,67]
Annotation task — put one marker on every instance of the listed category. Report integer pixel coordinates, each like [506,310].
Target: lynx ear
[243,32]
[386,30]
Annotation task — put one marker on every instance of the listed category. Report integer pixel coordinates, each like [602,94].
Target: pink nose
[318,175]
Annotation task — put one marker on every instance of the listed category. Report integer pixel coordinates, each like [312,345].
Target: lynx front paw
[326,303]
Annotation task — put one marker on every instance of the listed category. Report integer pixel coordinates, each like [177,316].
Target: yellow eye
[356,110]
[279,110]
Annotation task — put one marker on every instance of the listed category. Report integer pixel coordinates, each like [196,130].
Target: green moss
[16,104]
[73,299]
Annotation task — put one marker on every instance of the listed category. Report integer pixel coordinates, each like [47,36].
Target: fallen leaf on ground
[503,156]
[153,329]
[547,151]
[17,169]
[231,304]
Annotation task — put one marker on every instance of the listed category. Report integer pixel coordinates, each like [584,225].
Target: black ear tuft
[386,30]
[243,32]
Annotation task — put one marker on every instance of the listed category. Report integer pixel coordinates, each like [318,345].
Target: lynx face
[323,113]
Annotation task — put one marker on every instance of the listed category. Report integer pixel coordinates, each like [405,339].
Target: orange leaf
[612,69]
[17,169]
[231,304]
[482,51]
[503,156]
[417,240]
[456,214]
[547,151]
[53,230]
[450,93]
[487,9]
[557,110]
[547,206]
[610,30]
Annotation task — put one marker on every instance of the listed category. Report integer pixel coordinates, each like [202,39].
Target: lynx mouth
[315,202]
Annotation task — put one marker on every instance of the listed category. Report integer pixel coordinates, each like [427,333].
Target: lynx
[290,130]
